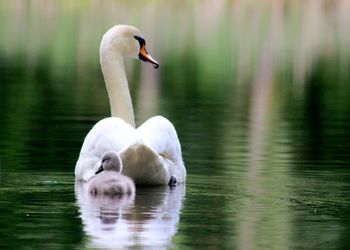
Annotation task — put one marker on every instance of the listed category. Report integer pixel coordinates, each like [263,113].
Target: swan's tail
[144,165]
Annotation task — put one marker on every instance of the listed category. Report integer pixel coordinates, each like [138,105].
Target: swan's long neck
[113,70]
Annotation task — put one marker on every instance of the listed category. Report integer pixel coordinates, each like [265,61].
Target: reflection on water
[149,219]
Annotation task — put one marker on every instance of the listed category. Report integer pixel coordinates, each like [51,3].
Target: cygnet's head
[126,41]
[111,161]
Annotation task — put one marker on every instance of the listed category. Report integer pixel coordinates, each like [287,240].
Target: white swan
[108,180]
[151,154]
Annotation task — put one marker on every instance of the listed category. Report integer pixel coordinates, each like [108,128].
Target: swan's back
[111,183]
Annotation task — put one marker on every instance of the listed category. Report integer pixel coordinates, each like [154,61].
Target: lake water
[266,149]
[253,182]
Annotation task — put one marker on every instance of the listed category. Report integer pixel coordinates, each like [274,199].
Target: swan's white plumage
[151,154]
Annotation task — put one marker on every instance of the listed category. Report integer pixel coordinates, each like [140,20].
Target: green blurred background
[258,92]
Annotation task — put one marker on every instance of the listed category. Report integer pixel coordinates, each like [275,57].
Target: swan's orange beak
[144,56]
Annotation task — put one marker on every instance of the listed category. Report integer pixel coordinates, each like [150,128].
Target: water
[262,182]
[265,139]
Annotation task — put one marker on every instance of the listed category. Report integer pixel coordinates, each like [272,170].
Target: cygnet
[108,179]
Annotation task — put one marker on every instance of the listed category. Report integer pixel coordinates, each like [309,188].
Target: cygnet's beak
[99,170]
[144,56]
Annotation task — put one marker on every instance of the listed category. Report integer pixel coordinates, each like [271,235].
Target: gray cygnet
[108,179]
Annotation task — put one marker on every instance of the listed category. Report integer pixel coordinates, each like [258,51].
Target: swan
[108,180]
[151,154]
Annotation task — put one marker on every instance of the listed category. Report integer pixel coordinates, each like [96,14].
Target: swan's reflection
[148,219]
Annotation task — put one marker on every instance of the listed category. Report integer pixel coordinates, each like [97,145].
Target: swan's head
[126,41]
[110,160]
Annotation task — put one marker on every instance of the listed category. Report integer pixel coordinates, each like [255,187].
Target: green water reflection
[259,95]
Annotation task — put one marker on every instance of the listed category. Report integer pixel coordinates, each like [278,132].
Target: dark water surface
[279,179]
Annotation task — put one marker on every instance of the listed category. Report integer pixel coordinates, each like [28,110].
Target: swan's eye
[141,41]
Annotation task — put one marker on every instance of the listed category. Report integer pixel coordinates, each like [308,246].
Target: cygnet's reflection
[147,219]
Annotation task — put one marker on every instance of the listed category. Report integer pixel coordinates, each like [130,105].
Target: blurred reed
[229,39]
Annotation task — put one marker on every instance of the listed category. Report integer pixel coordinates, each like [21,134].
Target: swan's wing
[108,134]
[144,165]
[159,134]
